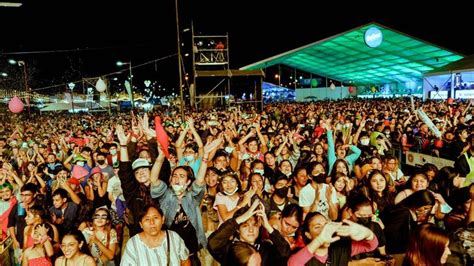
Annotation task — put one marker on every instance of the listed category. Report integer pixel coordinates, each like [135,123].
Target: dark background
[71,39]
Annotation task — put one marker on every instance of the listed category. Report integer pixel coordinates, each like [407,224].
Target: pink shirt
[358,247]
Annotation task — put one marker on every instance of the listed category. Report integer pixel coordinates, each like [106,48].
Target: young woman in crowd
[324,244]
[341,183]
[300,180]
[429,245]
[101,237]
[154,245]
[34,216]
[228,197]
[75,250]
[42,250]
[405,218]
[378,191]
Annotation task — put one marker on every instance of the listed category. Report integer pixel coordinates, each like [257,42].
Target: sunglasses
[104,216]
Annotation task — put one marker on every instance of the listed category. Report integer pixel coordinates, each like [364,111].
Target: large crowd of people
[318,183]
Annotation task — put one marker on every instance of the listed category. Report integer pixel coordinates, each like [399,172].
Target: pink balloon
[15,105]
[351,89]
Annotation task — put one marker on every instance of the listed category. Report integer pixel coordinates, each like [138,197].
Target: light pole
[179,61]
[71,86]
[120,63]
[25,77]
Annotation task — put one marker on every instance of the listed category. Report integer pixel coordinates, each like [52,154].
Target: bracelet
[123,145]
[205,160]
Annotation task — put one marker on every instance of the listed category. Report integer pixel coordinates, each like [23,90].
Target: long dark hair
[293,210]
[427,246]
[387,199]
[418,199]
[446,177]
[306,224]
[79,238]
[233,176]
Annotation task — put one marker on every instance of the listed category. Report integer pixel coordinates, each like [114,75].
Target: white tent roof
[61,106]
[58,107]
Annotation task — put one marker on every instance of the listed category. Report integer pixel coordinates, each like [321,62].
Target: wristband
[123,145]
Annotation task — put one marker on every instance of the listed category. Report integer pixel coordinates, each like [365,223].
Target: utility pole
[179,62]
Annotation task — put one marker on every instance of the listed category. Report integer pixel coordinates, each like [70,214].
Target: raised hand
[261,213]
[123,139]
[248,196]
[213,145]
[326,236]
[42,230]
[354,230]
[190,122]
[249,213]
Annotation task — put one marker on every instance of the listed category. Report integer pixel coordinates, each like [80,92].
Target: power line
[109,74]
[70,50]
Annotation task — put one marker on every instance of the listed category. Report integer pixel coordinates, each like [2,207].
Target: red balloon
[15,105]
[438,144]
[450,100]
[351,89]
[161,136]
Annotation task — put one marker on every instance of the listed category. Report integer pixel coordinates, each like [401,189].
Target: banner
[465,94]
[419,159]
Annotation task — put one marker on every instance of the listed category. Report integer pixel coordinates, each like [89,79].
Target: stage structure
[214,83]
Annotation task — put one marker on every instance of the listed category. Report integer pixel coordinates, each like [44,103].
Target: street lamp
[278,77]
[120,63]
[71,86]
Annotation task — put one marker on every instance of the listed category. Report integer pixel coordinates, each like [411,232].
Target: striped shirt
[138,253]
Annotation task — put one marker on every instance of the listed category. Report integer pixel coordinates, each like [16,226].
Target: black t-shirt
[378,232]
[339,254]
[182,225]
[18,221]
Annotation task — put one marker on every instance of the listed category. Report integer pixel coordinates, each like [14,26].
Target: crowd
[296,184]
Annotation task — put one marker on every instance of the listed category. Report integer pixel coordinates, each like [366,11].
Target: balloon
[314,83]
[422,115]
[100,86]
[438,143]
[332,86]
[15,105]
[161,136]
[351,89]
[450,100]
[373,89]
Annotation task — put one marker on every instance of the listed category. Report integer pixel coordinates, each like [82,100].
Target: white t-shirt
[114,186]
[222,199]
[308,196]
[138,253]
[398,176]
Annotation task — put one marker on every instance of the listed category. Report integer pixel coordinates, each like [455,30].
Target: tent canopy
[465,64]
[347,58]
[61,106]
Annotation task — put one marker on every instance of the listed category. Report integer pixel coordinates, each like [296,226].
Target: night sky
[89,37]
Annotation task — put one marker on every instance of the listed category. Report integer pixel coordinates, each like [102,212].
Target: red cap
[73,181]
